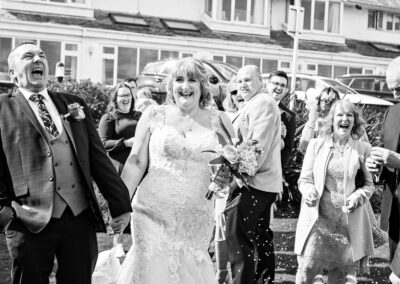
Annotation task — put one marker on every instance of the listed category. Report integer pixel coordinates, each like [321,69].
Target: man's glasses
[234,93]
[276,84]
[395,90]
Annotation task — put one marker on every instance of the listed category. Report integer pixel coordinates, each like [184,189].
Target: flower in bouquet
[240,161]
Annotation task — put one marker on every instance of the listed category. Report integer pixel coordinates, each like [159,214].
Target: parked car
[371,85]
[6,86]
[154,76]
[305,82]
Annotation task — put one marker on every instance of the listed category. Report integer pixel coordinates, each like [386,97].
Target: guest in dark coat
[277,87]
[117,127]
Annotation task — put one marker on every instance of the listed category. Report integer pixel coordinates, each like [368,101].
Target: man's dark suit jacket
[288,118]
[26,165]
[390,218]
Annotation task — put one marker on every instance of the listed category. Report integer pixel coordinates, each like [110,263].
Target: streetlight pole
[292,103]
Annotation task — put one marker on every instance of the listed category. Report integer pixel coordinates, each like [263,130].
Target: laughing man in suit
[48,159]
[247,212]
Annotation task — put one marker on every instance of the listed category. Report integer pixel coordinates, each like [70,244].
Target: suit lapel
[61,105]
[23,104]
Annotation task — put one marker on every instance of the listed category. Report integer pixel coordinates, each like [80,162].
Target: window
[252,61]
[339,71]
[245,11]
[146,56]
[177,25]
[269,65]
[390,22]
[325,70]
[18,41]
[375,19]
[108,71]
[71,61]
[127,63]
[397,23]
[128,20]
[285,64]
[186,54]
[208,8]
[363,84]
[321,15]
[311,67]
[52,49]
[386,47]
[235,61]
[355,70]
[167,54]
[5,49]
[218,58]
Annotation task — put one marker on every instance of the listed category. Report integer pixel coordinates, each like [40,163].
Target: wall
[278,16]
[355,26]
[126,6]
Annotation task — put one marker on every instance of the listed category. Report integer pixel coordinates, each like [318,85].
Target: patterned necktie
[44,114]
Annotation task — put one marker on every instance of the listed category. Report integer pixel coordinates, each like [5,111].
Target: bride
[172,221]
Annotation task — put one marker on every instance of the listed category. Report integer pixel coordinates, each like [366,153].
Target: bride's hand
[223,176]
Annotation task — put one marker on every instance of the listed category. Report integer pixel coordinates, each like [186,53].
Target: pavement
[285,258]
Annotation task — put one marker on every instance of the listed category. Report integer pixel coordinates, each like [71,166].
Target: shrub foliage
[95,95]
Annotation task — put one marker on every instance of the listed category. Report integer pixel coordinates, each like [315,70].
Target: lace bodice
[171,216]
[181,155]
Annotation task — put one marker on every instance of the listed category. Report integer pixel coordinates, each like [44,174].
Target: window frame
[218,3]
[326,17]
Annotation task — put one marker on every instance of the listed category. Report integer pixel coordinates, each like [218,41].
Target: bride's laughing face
[186,91]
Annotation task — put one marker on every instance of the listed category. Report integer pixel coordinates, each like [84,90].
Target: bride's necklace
[188,126]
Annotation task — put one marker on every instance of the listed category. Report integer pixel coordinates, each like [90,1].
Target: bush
[96,95]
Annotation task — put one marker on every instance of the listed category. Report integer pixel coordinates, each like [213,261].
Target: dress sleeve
[108,136]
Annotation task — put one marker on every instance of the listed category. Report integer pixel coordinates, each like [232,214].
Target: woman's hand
[350,206]
[310,198]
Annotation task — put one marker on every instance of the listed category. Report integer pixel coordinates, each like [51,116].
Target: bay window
[242,11]
[321,15]
[383,21]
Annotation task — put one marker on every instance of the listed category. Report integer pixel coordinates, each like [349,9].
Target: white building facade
[108,41]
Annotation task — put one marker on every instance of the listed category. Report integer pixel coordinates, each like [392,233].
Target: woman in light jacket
[333,229]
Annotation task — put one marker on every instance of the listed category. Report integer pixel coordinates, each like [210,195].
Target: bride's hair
[193,69]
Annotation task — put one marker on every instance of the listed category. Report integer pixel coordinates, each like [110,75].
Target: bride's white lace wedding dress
[172,220]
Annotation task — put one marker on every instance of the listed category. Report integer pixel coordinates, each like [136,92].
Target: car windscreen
[227,71]
[161,67]
[341,88]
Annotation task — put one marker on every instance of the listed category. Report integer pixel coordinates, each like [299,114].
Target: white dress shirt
[49,105]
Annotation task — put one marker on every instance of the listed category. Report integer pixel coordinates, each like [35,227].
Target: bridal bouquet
[239,160]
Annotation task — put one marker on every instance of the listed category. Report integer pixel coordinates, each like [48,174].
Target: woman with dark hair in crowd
[117,131]
[118,125]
